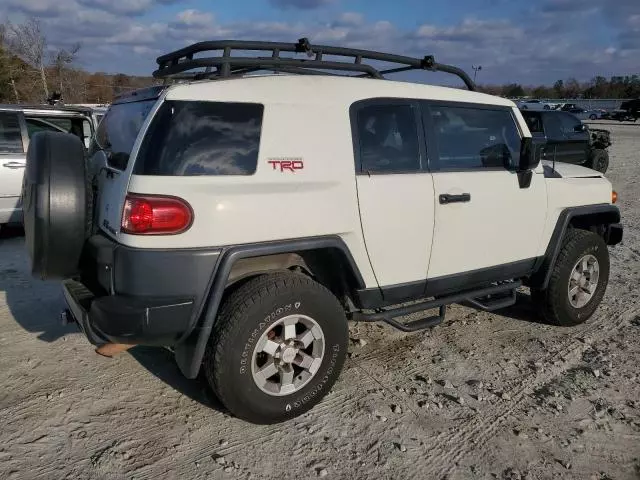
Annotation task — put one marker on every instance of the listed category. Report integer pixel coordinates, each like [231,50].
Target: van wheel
[600,160]
[578,281]
[277,347]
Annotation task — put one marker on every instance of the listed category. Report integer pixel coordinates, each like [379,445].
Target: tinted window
[534,122]
[470,137]
[119,129]
[388,138]
[202,138]
[553,125]
[10,134]
[569,123]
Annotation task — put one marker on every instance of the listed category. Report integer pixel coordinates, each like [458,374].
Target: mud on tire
[255,312]
[554,302]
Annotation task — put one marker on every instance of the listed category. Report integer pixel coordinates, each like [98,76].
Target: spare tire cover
[55,204]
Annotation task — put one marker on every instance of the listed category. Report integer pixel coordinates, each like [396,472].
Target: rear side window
[10,134]
[189,138]
[569,123]
[388,139]
[534,122]
[475,138]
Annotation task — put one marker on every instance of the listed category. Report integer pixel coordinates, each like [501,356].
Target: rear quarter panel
[317,198]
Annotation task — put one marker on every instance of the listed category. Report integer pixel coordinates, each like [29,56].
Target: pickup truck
[564,138]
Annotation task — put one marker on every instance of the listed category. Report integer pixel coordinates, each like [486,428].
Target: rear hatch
[116,142]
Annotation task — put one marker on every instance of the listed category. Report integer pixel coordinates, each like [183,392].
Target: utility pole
[475,72]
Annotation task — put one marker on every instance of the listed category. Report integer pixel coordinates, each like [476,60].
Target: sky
[523,41]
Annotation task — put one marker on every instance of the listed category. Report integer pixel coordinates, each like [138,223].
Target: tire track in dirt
[442,456]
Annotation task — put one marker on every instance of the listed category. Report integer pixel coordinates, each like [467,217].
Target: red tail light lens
[151,215]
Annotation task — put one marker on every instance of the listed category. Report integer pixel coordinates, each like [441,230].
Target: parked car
[18,124]
[564,138]
[583,114]
[628,111]
[534,105]
[244,222]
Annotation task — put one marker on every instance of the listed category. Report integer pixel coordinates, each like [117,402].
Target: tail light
[155,215]
[614,196]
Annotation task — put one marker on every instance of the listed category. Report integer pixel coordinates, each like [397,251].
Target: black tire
[554,302]
[599,160]
[56,203]
[246,314]
[593,117]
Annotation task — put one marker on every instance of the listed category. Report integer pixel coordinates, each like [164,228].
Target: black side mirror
[529,155]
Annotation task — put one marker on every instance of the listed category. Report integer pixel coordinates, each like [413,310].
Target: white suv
[243,220]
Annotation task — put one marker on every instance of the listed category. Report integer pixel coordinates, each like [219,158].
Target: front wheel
[578,281]
[600,160]
[277,347]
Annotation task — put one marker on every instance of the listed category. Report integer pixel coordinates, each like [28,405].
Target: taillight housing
[155,215]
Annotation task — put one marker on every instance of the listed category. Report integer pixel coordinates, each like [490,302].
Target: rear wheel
[56,204]
[578,281]
[277,347]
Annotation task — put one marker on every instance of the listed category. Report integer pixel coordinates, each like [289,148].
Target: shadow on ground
[160,362]
[34,304]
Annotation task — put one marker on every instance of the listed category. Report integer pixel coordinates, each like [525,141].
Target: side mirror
[580,128]
[529,155]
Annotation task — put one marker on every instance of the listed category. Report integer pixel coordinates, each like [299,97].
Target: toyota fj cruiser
[243,219]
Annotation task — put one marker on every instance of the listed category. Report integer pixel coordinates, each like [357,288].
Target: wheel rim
[288,355]
[583,281]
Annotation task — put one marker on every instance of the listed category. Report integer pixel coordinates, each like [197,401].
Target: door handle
[14,165]
[446,198]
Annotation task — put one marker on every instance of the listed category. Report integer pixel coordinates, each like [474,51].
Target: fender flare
[190,352]
[600,214]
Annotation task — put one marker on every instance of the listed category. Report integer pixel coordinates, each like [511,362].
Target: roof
[44,108]
[320,89]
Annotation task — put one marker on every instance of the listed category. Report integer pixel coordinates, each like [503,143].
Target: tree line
[599,87]
[31,71]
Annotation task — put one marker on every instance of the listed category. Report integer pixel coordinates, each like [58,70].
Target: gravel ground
[481,396]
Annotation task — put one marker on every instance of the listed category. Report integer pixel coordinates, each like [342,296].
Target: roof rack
[174,65]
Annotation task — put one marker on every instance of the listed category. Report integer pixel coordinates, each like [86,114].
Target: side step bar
[487,299]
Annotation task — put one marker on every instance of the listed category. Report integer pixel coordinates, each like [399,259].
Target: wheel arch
[327,259]
[596,218]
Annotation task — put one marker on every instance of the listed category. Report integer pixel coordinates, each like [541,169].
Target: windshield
[119,129]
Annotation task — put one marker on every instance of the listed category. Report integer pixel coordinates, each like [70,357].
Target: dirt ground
[482,396]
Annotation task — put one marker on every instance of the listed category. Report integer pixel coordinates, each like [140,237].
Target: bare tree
[62,59]
[28,42]
[6,61]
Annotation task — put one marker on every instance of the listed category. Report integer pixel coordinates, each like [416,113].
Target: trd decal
[286,165]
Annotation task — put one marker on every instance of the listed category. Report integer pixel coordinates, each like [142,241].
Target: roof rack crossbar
[176,63]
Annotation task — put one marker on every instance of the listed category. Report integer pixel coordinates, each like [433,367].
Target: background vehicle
[564,138]
[534,105]
[243,222]
[18,123]
[583,114]
[629,111]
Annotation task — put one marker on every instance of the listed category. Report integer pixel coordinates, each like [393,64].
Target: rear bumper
[119,319]
[135,296]
[613,234]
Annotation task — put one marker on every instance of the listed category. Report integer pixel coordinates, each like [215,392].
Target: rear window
[119,129]
[10,134]
[189,138]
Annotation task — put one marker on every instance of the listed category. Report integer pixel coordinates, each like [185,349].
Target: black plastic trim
[190,352]
[602,214]
[614,234]
[374,298]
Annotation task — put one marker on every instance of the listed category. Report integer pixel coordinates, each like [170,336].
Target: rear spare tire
[56,204]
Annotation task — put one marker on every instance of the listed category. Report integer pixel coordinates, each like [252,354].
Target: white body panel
[397,223]
[393,225]
[470,236]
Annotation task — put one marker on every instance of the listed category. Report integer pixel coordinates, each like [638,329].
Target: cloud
[543,46]
[302,4]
